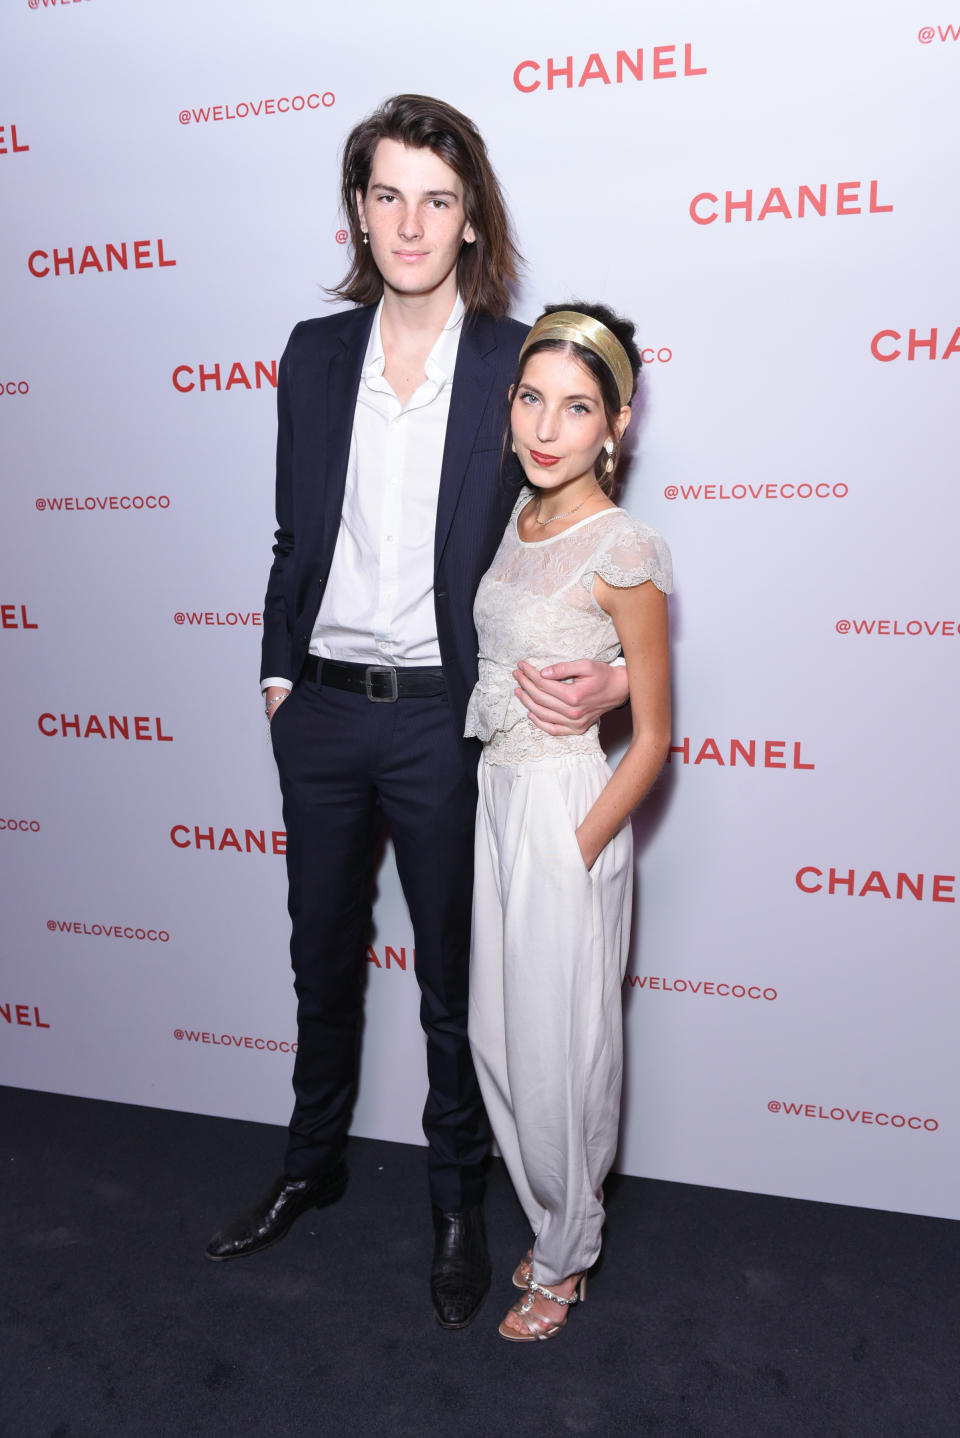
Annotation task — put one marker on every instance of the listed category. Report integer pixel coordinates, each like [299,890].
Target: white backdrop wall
[765,190]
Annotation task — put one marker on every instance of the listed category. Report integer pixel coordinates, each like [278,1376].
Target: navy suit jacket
[318,380]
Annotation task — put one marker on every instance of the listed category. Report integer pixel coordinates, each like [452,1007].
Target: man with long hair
[390,506]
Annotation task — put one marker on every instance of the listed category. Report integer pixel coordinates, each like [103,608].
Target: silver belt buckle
[378,669]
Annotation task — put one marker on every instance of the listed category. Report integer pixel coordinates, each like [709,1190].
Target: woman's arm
[639,615]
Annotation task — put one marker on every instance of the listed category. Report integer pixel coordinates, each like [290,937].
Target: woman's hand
[569,698]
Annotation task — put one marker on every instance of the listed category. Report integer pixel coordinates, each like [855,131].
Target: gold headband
[592,335]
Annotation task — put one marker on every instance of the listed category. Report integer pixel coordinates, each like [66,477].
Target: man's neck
[414,322]
[410,326]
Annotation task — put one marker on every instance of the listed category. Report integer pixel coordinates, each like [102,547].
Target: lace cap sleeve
[631,555]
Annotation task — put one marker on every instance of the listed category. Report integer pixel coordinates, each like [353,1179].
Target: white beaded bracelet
[277,699]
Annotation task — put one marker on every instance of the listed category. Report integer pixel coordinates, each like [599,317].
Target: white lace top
[536,602]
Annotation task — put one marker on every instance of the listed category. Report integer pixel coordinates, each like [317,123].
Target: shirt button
[389,538]
[382,644]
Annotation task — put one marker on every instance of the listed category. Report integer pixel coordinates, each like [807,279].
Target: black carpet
[712,1313]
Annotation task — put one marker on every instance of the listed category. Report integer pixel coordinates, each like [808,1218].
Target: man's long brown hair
[486,268]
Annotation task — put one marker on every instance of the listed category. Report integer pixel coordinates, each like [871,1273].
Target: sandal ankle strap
[554,1297]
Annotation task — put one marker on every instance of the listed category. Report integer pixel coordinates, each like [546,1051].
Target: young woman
[574,575]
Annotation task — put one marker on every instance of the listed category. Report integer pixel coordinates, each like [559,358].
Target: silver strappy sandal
[536,1326]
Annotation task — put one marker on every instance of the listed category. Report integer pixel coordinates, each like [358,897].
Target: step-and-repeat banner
[768,192]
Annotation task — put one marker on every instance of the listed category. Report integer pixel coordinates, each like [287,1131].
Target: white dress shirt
[377,606]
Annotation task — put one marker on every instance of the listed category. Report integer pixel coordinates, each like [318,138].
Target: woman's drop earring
[611,463]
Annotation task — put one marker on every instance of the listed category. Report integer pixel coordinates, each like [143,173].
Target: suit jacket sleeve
[276,658]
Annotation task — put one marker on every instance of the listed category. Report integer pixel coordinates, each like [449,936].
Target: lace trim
[525,744]
[621,578]
[493,706]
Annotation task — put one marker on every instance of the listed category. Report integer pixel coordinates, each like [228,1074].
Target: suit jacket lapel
[340,401]
[472,380]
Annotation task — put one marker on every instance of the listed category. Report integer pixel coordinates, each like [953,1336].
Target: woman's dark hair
[485,268]
[610,395]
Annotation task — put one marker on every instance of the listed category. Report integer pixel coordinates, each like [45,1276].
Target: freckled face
[413,213]
[557,420]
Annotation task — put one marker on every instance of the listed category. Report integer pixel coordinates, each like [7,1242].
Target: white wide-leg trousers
[547,963]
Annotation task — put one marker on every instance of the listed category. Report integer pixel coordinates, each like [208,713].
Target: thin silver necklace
[566,514]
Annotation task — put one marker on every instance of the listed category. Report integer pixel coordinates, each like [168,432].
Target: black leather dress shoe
[270,1219]
[460,1273]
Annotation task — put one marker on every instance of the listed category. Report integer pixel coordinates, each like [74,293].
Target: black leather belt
[381,683]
